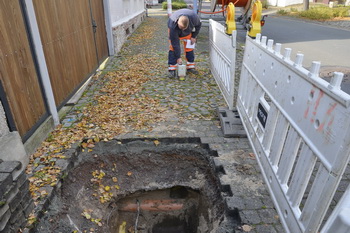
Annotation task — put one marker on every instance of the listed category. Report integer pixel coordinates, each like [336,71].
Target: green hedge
[323,13]
[179,4]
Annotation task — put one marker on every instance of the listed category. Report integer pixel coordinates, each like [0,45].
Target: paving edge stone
[4,220]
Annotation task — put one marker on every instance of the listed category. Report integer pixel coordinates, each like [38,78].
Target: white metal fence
[339,221]
[299,127]
[223,59]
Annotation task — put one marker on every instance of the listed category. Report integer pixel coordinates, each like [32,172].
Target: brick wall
[15,200]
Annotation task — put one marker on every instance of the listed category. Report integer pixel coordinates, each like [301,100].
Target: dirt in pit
[89,195]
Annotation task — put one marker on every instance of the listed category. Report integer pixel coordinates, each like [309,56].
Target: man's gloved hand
[193,40]
[179,61]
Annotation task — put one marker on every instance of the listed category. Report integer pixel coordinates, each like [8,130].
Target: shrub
[317,13]
[324,13]
[341,12]
[282,12]
[179,4]
[264,4]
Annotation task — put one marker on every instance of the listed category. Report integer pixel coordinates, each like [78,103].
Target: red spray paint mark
[306,112]
[328,114]
[330,110]
[320,128]
[330,122]
[317,103]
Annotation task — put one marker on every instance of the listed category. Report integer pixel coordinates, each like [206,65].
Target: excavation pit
[156,186]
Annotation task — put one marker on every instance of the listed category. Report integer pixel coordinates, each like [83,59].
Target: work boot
[171,74]
[193,71]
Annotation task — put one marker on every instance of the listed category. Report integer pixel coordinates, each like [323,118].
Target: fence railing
[299,127]
[339,221]
[223,59]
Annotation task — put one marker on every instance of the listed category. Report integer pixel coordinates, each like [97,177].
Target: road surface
[330,46]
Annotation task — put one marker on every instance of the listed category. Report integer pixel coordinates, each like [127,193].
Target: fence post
[107,9]
[195,6]
[44,74]
[169,8]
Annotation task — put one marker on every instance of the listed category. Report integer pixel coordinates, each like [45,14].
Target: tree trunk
[306,5]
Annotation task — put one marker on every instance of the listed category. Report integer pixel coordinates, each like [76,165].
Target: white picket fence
[223,59]
[299,128]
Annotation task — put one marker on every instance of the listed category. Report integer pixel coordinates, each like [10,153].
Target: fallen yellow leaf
[86,215]
[156,142]
[246,228]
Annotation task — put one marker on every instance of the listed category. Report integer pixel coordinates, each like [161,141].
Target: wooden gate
[67,34]
[98,17]
[17,69]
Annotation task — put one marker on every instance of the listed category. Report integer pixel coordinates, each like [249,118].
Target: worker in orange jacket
[183,25]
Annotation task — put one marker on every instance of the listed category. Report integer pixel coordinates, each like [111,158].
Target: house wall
[125,16]
[283,3]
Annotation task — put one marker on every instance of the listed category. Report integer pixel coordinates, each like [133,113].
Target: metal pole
[195,6]
[169,8]
[306,5]
[108,20]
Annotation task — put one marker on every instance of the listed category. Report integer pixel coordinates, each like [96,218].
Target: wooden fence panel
[100,34]
[17,70]
[66,32]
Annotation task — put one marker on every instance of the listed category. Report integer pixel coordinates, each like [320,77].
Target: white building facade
[283,3]
[122,19]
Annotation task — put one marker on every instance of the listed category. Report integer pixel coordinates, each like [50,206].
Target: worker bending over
[183,25]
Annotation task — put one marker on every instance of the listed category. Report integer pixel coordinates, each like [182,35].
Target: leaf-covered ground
[131,94]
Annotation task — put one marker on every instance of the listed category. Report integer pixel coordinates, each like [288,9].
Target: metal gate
[99,28]
[223,59]
[299,127]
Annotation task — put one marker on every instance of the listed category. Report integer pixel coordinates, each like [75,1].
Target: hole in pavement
[152,185]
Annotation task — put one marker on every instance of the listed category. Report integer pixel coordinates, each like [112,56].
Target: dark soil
[133,168]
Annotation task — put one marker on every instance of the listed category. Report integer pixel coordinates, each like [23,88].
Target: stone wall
[125,29]
[15,200]
[12,148]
